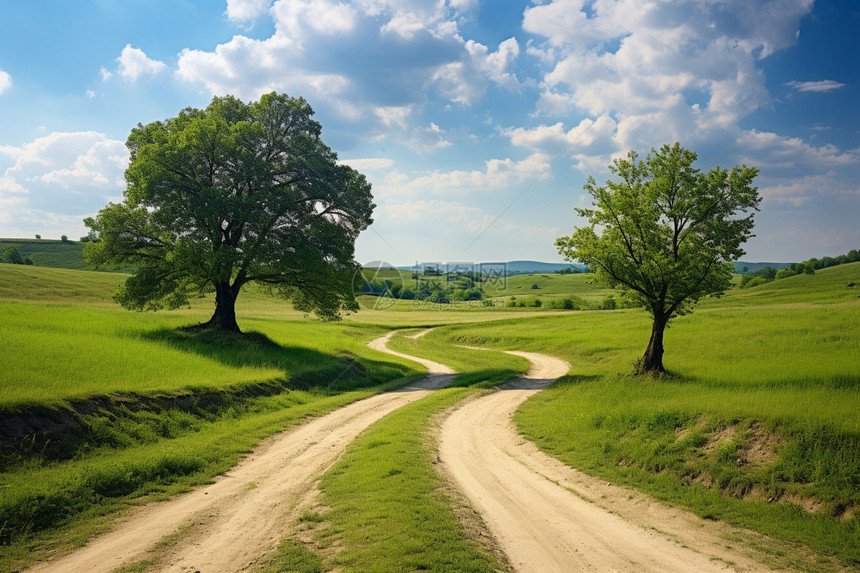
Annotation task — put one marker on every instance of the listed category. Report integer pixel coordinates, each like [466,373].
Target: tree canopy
[232,194]
[665,233]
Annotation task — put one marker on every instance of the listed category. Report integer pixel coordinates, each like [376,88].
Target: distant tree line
[571,271]
[768,274]
[452,287]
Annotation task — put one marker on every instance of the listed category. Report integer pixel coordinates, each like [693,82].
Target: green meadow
[757,423]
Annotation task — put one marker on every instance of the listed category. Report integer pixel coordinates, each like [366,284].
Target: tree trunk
[653,359]
[224,317]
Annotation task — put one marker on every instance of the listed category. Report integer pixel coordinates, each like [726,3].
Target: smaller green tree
[12,256]
[665,234]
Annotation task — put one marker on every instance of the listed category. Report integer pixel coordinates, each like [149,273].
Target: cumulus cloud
[134,63]
[594,134]
[497,174]
[369,62]
[818,87]
[689,64]
[65,173]
[246,10]
[787,154]
[5,81]
[466,80]
[368,163]
[800,191]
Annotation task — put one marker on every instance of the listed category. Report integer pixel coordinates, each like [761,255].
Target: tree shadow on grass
[303,368]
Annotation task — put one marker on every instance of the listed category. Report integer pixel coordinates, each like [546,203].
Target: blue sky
[476,122]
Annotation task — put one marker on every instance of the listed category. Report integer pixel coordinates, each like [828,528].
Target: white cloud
[134,63]
[5,81]
[404,24]
[497,173]
[466,80]
[774,152]
[800,191]
[246,10]
[370,62]
[394,115]
[819,87]
[554,139]
[66,173]
[301,18]
[369,163]
[458,225]
[688,64]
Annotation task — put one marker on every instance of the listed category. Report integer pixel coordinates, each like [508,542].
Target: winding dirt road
[549,517]
[238,520]
[544,515]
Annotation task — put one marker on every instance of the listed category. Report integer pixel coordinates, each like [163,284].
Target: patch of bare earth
[235,523]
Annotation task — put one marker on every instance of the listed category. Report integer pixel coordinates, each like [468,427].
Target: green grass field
[757,425]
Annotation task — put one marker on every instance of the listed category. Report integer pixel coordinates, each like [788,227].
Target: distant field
[545,287]
[48,252]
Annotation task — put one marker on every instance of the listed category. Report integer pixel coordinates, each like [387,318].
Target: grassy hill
[48,252]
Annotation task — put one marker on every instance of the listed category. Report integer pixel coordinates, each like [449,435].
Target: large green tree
[665,233]
[232,194]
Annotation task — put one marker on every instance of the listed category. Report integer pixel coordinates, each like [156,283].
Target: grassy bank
[758,424]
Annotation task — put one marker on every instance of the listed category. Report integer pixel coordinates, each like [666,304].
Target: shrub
[755,282]
[12,256]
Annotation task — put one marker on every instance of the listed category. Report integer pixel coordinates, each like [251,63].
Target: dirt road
[236,521]
[548,517]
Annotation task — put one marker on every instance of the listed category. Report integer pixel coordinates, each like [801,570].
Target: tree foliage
[664,233]
[232,194]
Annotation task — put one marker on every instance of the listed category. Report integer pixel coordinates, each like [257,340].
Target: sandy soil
[549,517]
[238,520]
